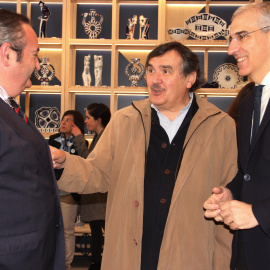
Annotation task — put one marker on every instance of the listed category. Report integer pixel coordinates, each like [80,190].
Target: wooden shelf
[53,41]
[169,14]
[90,89]
[49,88]
[218,92]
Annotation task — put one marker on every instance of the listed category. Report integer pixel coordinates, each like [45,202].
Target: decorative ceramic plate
[227,76]
[206,26]
[178,33]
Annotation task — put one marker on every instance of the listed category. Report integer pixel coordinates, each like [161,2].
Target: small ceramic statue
[93,27]
[86,76]
[130,29]
[133,73]
[46,72]
[144,27]
[43,19]
[98,65]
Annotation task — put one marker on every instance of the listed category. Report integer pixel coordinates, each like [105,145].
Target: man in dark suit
[244,204]
[31,229]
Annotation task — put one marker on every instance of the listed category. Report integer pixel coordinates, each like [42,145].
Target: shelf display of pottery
[90,44]
[227,76]
[202,26]
[179,33]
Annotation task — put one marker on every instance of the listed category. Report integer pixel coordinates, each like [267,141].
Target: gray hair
[11,31]
[262,8]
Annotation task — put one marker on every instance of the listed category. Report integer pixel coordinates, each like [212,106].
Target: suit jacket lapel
[29,132]
[244,129]
[245,149]
[263,124]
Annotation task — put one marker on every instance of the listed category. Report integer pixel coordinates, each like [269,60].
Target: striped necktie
[17,108]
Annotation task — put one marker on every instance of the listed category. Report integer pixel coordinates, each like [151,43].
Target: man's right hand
[212,204]
[58,157]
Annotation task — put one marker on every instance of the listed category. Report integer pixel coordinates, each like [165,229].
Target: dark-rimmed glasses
[241,36]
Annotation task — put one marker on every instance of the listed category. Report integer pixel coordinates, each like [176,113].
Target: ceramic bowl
[178,33]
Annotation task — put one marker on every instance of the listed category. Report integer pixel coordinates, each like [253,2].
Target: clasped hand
[221,206]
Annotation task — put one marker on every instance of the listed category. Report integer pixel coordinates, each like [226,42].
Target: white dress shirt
[265,94]
[171,127]
[3,94]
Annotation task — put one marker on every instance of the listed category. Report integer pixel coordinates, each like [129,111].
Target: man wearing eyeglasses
[244,204]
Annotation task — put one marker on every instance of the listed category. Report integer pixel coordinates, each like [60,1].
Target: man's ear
[191,78]
[5,54]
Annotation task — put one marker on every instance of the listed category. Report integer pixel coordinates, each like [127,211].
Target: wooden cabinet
[68,49]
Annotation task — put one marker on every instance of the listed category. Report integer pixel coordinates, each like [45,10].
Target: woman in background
[93,206]
[69,201]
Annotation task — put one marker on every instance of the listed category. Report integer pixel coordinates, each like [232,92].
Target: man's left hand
[238,215]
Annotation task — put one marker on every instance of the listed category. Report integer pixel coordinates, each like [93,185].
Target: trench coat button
[163,200]
[135,242]
[57,225]
[136,203]
[246,177]
[167,171]
[200,117]
[146,115]
[164,145]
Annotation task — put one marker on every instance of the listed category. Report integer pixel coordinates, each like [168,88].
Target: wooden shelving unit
[169,13]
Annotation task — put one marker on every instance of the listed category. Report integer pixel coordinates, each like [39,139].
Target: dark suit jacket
[252,185]
[31,227]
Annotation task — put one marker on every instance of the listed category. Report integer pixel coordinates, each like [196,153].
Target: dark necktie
[256,110]
[17,109]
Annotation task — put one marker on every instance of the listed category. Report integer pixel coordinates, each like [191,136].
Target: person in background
[31,227]
[93,206]
[69,201]
[158,159]
[244,204]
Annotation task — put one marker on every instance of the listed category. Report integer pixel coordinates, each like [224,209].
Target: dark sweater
[163,163]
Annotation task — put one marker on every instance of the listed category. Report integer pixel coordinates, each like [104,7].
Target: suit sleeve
[235,185]
[52,142]
[261,210]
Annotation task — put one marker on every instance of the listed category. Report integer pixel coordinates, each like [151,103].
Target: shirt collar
[266,79]
[3,93]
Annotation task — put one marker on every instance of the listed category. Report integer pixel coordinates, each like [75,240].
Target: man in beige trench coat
[158,160]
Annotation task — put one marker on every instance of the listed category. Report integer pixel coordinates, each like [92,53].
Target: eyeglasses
[242,36]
